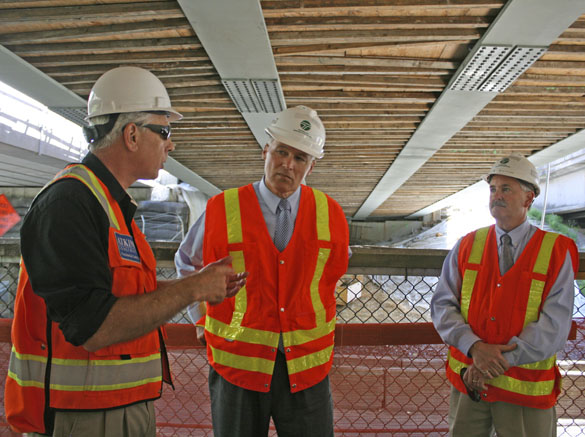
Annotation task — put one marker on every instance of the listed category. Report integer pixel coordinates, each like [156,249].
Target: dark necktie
[507,254]
[283,225]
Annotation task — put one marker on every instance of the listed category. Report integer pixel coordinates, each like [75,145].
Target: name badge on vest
[126,248]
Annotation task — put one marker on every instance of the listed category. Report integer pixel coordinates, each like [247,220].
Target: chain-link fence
[380,388]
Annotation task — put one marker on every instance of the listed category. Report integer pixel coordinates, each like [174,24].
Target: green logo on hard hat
[305,125]
[505,161]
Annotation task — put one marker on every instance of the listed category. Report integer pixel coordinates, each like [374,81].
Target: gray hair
[527,186]
[123,119]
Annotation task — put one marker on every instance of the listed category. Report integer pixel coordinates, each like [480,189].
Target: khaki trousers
[136,420]
[482,419]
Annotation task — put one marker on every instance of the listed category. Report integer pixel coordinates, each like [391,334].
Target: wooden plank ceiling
[371,68]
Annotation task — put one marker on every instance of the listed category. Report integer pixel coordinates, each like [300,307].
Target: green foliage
[535,214]
[555,222]
[581,285]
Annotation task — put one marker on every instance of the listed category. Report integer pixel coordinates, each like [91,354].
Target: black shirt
[64,246]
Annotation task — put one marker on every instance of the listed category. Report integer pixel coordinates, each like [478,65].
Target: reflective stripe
[546,247]
[470,275]
[85,375]
[241,333]
[302,336]
[318,308]
[478,244]
[27,370]
[241,299]
[242,362]
[537,286]
[309,361]
[81,173]
[322,214]
[527,388]
[545,364]
[232,215]
[467,284]
[504,382]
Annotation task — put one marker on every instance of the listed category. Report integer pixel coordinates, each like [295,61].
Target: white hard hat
[516,166]
[299,127]
[129,89]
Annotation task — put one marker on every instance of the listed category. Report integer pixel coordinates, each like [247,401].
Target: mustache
[498,203]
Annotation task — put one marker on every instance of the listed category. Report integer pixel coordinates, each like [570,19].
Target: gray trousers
[482,419]
[137,420]
[237,412]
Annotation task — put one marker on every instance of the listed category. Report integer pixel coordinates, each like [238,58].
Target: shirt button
[265,385]
[493,319]
[294,386]
[288,349]
[499,285]
[43,346]
[272,350]
[485,395]
[282,310]
[282,261]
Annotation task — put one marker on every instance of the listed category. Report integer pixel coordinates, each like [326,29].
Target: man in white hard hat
[504,305]
[88,357]
[271,346]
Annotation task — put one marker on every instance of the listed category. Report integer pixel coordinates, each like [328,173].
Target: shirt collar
[272,200]
[516,234]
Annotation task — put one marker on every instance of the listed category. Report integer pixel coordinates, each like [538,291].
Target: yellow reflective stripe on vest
[527,388]
[85,375]
[322,212]
[454,364]
[302,336]
[81,173]
[306,362]
[470,276]
[242,362]
[478,245]
[241,299]
[232,215]
[27,370]
[318,307]
[241,333]
[537,286]
[234,236]
[504,382]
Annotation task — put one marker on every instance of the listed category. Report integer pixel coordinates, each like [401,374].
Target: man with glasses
[88,357]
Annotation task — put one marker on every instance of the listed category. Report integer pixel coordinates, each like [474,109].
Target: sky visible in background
[23,114]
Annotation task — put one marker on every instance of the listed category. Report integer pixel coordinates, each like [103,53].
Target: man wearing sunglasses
[88,357]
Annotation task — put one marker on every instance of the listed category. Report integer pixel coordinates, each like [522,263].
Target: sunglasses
[163,131]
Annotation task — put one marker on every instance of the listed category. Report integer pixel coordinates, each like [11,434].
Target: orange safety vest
[499,307]
[292,292]
[47,372]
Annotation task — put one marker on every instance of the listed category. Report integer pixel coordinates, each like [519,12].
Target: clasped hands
[488,363]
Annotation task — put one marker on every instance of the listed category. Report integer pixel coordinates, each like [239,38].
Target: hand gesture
[218,281]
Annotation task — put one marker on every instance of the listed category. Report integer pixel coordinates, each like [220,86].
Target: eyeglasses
[162,130]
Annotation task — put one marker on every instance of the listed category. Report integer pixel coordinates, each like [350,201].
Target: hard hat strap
[94,133]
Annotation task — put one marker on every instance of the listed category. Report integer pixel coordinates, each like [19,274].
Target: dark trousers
[237,412]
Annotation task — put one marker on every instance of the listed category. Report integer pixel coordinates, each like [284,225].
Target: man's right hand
[488,358]
[217,280]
